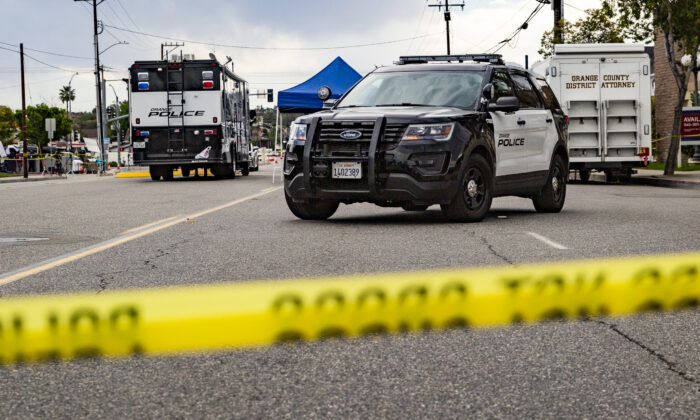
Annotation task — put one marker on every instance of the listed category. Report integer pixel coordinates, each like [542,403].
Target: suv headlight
[441,132]
[297,132]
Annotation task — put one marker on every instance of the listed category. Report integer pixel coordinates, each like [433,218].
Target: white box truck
[605,89]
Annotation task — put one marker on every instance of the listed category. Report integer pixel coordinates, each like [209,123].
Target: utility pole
[98,85]
[25,151]
[119,128]
[168,44]
[448,17]
[558,7]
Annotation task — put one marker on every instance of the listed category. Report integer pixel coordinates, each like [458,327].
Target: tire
[245,169]
[312,209]
[167,174]
[584,174]
[185,172]
[155,173]
[475,194]
[625,176]
[551,198]
[413,207]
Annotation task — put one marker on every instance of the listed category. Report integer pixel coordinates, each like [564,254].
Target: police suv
[450,130]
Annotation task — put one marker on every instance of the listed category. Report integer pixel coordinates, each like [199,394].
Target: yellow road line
[148,225]
[49,264]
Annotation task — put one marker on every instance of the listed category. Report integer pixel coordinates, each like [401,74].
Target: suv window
[550,101]
[501,85]
[428,88]
[525,92]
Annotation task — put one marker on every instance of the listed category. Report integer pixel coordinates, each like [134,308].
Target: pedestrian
[59,167]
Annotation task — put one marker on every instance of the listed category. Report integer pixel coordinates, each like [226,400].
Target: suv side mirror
[328,104]
[505,104]
[253,114]
[488,91]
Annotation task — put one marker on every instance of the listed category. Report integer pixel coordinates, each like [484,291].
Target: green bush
[112,164]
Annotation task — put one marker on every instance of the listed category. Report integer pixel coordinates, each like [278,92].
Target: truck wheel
[312,209]
[155,173]
[551,198]
[168,174]
[245,169]
[185,172]
[625,176]
[584,174]
[413,207]
[474,197]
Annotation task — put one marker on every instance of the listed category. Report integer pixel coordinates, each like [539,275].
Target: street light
[69,109]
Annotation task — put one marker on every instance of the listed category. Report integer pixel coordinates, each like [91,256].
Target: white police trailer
[605,89]
[189,114]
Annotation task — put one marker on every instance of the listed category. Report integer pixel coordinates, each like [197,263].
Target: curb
[661,182]
[652,181]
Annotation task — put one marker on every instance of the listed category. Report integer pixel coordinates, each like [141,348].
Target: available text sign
[690,126]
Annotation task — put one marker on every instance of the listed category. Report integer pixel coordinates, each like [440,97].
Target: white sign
[50,126]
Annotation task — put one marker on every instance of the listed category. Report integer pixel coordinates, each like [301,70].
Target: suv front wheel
[551,198]
[474,197]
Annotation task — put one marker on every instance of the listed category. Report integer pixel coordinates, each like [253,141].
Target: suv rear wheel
[551,198]
[311,209]
[474,197]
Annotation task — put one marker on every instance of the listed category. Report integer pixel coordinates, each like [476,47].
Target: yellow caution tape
[228,316]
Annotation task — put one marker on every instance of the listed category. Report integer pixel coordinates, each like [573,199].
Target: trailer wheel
[584,174]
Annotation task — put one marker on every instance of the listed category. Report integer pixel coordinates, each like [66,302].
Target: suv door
[558,127]
[534,119]
[508,135]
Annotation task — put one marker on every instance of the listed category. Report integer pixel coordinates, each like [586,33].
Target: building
[666,94]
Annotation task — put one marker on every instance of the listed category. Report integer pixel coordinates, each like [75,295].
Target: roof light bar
[422,59]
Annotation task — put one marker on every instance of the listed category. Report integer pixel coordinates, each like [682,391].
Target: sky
[272,32]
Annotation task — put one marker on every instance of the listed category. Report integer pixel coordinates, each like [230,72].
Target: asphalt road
[642,366]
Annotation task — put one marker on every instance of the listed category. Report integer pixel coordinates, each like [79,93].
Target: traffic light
[76,135]
[270,96]
[110,112]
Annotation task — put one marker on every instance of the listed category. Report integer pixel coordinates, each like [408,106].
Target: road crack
[494,252]
[672,366]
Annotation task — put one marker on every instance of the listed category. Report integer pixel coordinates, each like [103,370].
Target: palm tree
[67,95]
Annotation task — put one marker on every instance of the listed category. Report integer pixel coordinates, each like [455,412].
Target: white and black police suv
[189,114]
[450,130]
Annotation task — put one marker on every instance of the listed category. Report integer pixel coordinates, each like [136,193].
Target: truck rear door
[578,90]
[621,109]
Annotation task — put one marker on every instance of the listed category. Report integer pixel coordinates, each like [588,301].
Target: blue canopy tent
[338,76]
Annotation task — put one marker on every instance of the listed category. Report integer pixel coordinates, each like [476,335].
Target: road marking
[111,243]
[148,225]
[548,241]
[19,240]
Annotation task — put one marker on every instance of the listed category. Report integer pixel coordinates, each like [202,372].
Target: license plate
[139,145]
[347,170]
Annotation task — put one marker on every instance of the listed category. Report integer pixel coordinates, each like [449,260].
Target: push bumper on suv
[393,172]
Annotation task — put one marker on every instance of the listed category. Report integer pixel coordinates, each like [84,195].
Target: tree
[677,20]
[8,127]
[66,94]
[36,126]
[599,26]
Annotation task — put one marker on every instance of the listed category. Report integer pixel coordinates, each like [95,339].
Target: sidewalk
[31,178]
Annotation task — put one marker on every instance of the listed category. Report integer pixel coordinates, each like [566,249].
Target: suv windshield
[423,88]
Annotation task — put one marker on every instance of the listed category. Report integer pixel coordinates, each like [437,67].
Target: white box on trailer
[605,89]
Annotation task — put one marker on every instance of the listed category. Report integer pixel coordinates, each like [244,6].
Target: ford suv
[450,130]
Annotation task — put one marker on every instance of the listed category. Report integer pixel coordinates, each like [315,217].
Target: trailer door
[621,111]
[580,96]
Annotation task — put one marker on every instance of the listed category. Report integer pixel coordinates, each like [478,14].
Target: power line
[525,24]
[42,62]
[127,14]
[248,47]
[48,52]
